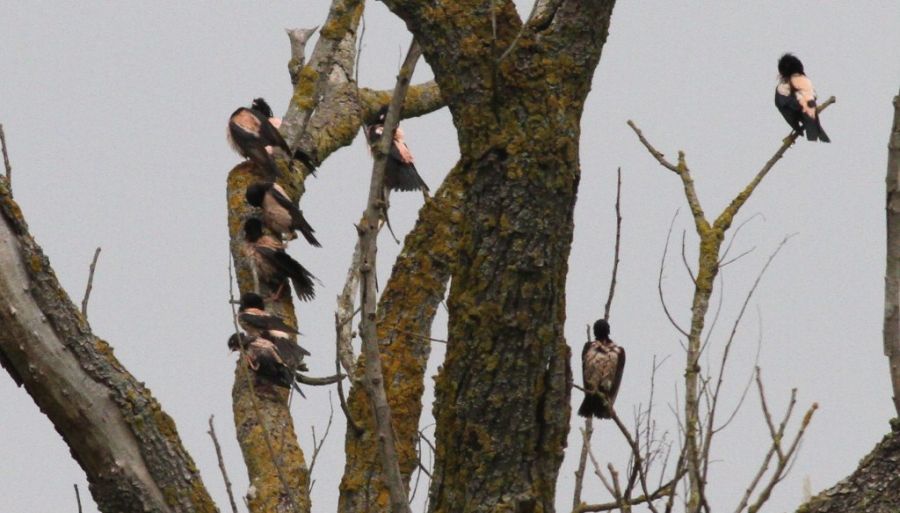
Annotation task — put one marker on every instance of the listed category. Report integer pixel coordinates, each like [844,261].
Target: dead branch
[317,444]
[318,382]
[368,233]
[90,283]
[8,167]
[783,458]
[77,494]
[212,434]
[636,454]
[337,364]
[684,261]
[662,265]
[615,268]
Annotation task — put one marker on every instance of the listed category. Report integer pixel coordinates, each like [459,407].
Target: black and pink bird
[400,172]
[276,362]
[602,364]
[278,211]
[255,320]
[273,264]
[795,99]
[250,132]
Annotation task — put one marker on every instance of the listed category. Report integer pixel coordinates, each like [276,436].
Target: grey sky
[115,117]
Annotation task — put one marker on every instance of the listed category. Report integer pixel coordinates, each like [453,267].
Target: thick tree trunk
[128,447]
[503,393]
[892,272]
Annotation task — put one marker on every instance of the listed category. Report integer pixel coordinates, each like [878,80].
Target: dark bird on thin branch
[602,364]
[268,359]
[279,213]
[795,99]
[273,264]
[400,172]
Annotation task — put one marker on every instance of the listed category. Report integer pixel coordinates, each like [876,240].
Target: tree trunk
[503,393]
[128,447]
[892,272]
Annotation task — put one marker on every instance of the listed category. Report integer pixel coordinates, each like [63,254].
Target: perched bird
[256,321]
[279,213]
[260,105]
[273,264]
[268,359]
[602,363]
[795,99]
[400,172]
[250,132]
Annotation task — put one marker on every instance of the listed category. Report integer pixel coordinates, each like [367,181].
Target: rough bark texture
[502,396]
[873,488]
[116,431]
[892,272]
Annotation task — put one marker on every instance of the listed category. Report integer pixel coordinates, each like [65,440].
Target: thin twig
[615,268]
[317,445]
[8,167]
[662,265]
[636,454]
[684,259]
[90,283]
[212,434]
[77,494]
[340,386]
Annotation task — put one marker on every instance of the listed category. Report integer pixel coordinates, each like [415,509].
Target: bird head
[245,341]
[251,300]
[252,229]
[262,107]
[601,329]
[256,192]
[789,65]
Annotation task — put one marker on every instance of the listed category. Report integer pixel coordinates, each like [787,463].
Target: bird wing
[268,133]
[297,220]
[592,366]
[291,353]
[619,351]
[265,322]
[287,266]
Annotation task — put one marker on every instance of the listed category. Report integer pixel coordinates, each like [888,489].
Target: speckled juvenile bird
[273,264]
[250,132]
[400,172]
[795,99]
[279,213]
[602,364]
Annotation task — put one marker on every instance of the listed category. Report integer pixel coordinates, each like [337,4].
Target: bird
[795,99]
[250,132]
[273,264]
[260,105]
[256,321]
[267,358]
[400,172]
[602,363]
[279,213]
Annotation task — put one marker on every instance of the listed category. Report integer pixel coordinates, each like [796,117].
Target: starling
[400,172]
[273,264]
[279,213]
[795,99]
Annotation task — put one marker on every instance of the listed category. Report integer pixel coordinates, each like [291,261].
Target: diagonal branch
[368,233]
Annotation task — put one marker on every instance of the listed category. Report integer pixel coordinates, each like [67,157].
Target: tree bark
[117,432]
[502,396]
[892,272]
[873,488]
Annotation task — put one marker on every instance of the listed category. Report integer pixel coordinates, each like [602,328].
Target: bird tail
[306,160]
[307,230]
[594,405]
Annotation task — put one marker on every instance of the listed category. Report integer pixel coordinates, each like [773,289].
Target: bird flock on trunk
[267,342]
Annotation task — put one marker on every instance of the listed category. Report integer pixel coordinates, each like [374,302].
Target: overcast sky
[115,116]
